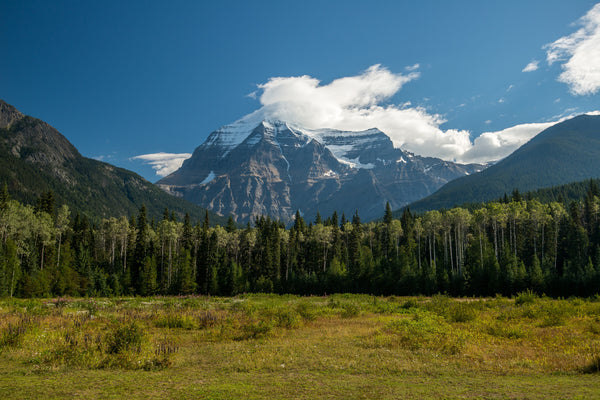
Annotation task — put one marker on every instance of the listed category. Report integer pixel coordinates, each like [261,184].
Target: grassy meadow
[288,347]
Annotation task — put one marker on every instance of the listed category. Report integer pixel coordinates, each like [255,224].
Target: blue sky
[123,79]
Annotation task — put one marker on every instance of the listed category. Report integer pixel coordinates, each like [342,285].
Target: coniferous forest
[502,247]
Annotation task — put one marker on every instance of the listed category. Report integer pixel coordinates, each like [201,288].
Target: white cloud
[413,67]
[579,54]
[532,66]
[355,103]
[358,103]
[493,146]
[163,163]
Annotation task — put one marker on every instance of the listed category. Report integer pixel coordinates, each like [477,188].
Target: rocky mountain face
[36,158]
[274,168]
[564,153]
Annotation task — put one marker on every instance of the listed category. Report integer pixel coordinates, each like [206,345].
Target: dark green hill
[36,158]
[566,152]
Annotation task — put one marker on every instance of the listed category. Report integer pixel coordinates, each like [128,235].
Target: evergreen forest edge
[507,246]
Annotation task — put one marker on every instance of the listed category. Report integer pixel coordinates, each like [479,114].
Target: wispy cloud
[532,66]
[104,157]
[579,54]
[163,163]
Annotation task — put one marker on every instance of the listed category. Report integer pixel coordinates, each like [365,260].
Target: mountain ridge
[36,158]
[276,168]
[566,152]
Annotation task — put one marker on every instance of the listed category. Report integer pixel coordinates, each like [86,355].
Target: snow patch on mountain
[340,143]
[209,178]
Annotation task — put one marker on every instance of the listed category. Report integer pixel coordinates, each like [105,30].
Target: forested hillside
[35,158]
[566,152]
[562,194]
[502,247]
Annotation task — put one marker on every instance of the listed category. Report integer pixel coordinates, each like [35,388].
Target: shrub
[462,312]
[12,335]
[244,306]
[594,326]
[553,314]
[306,311]
[286,318]
[425,330]
[125,338]
[208,319]
[527,297]
[410,303]
[593,367]
[506,331]
[181,321]
[439,304]
[350,310]
[256,329]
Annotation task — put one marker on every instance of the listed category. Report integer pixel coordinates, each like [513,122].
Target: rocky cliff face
[36,142]
[274,168]
[8,114]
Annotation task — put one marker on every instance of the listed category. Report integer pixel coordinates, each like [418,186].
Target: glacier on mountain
[272,167]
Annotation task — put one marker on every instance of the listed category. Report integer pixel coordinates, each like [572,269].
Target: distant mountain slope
[270,167]
[35,158]
[564,153]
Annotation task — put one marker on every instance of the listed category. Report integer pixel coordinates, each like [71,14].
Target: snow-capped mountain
[269,167]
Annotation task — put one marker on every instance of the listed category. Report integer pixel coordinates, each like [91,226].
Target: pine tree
[4,197]
[187,235]
[206,222]
[231,227]
[334,219]
[45,203]
[388,217]
[141,251]
[516,196]
[354,249]
[318,219]
[299,224]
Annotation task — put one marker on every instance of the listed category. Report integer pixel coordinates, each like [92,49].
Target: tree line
[502,247]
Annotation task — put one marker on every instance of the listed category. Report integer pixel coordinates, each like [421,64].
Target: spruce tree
[388,217]
[140,252]
[4,197]
[231,227]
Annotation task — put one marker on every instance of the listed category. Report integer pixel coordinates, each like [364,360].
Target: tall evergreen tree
[141,252]
[388,216]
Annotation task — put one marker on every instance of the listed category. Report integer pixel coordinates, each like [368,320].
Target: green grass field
[288,347]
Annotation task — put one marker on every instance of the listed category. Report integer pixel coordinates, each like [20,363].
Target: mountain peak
[8,114]
[267,166]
